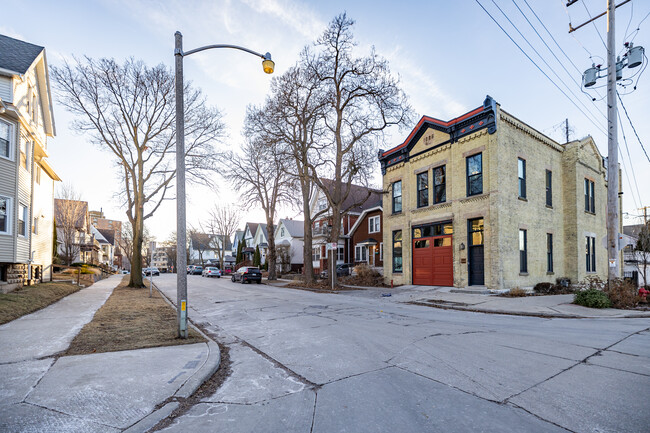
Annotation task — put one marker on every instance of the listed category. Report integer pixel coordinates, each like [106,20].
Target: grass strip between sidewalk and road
[130,319]
[28,299]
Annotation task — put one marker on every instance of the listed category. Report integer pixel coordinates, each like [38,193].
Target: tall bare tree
[223,221]
[126,242]
[71,224]
[363,99]
[129,109]
[260,177]
[292,118]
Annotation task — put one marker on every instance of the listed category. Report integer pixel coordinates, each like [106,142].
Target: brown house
[367,237]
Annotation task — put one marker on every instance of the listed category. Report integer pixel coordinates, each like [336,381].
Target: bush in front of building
[562,286]
[516,292]
[592,298]
[622,294]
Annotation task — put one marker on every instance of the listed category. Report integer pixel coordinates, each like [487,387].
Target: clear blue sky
[449,55]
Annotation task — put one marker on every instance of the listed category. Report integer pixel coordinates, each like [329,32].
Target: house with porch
[486,200]
[289,240]
[358,199]
[26,177]
[367,238]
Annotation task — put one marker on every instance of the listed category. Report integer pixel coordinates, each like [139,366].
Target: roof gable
[17,56]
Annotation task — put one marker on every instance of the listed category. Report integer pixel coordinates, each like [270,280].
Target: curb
[189,387]
[523,313]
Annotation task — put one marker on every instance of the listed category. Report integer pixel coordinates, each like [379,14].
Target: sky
[448,54]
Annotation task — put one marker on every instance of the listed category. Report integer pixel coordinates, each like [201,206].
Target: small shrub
[622,294]
[516,292]
[592,298]
[543,288]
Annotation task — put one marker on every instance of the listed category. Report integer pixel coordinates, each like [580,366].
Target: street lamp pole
[181,236]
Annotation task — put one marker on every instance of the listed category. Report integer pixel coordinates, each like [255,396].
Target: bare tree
[260,177]
[170,247]
[223,221]
[200,242]
[363,99]
[129,109]
[71,223]
[292,118]
[642,252]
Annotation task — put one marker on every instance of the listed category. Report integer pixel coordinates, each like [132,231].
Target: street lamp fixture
[181,237]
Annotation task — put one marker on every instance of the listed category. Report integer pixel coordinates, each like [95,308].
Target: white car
[211,272]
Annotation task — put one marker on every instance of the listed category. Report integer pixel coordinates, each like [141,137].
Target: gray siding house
[26,177]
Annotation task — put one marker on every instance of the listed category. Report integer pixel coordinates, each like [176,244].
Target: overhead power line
[627,148]
[599,127]
[632,125]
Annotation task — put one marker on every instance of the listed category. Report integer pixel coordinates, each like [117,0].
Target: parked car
[125,272]
[189,268]
[211,272]
[196,270]
[151,271]
[341,270]
[247,274]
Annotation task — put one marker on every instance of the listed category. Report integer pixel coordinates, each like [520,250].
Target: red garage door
[433,261]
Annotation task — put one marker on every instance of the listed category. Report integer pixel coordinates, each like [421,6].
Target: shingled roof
[16,55]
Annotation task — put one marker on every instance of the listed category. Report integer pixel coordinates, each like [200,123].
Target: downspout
[31,216]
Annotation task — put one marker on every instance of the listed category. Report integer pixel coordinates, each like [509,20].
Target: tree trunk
[272,256]
[307,239]
[135,279]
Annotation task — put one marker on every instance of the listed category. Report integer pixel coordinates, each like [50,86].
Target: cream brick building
[486,200]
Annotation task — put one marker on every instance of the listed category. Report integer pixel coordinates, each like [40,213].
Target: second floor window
[475,174]
[397,196]
[322,204]
[439,184]
[24,154]
[549,188]
[590,203]
[5,139]
[5,211]
[374,224]
[22,220]
[521,170]
[423,189]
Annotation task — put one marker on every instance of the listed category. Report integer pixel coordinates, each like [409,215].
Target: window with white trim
[360,253]
[374,224]
[381,251]
[6,139]
[5,215]
[341,254]
[322,203]
[22,220]
[315,254]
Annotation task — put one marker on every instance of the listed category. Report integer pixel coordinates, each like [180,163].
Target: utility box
[635,57]
[589,77]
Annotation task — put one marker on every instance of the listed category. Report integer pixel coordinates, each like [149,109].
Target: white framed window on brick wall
[374,224]
[340,254]
[5,215]
[360,253]
[6,139]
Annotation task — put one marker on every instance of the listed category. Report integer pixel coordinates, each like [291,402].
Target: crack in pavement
[583,361]
[70,415]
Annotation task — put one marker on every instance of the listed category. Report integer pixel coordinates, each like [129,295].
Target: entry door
[475,252]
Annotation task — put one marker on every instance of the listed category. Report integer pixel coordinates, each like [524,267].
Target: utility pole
[612,150]
[566,129]
[645,214]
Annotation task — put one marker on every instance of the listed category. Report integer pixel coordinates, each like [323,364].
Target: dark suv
[341,270]
[247,274]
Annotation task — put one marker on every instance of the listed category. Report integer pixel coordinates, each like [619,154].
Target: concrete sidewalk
[559,306]
[102,392]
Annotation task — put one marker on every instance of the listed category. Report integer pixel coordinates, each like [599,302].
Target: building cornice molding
[518,124]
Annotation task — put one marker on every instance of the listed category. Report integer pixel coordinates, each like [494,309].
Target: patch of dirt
[130,319]
[28,299]
[321,286]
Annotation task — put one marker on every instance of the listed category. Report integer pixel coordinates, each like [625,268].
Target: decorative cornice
[431,208]
[430,152]
[474,198]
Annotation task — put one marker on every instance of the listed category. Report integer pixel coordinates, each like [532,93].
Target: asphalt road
[309,362]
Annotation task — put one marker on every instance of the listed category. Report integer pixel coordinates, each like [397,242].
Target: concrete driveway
[309,362]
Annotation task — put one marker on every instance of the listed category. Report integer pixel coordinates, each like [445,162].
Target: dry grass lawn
[129,320]
[28,299]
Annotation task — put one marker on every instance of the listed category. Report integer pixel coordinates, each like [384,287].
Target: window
[439,182]
[6,132]
[322,203]
[475,174]
[360,253]
[591,254]
[423,189]
[5,212]
[549,188]
[549,252]
[521,170]
[590,205]
[24,154]
[340,254]
[374,224]
[282,231]
[397,197]
[523,251]
[35,226]
[22,220]
[397,251]
[381,251]
[38,175]
[315,254]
